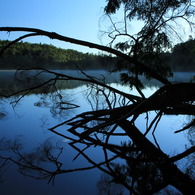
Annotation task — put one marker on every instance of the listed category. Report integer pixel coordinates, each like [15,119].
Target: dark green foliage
[131,80]
[182,57]
[26,55]
[123,46]
[112,6]
[144,9]
[154,36]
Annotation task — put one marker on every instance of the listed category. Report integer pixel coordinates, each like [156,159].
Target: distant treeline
[27,55]
[182,57]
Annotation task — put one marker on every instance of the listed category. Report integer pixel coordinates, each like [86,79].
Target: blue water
[29,125]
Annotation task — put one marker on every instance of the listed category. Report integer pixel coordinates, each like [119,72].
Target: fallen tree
[88,128]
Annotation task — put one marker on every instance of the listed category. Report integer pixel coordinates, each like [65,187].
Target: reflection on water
[26,127]
[29,123]
[12,81]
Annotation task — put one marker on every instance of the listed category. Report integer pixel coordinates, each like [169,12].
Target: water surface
[28,123]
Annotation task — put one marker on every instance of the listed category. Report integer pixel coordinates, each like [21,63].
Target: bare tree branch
[53,35]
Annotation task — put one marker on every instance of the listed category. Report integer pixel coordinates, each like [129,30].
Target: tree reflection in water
[137,164]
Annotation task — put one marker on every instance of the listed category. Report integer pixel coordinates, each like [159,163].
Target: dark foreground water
[27,126]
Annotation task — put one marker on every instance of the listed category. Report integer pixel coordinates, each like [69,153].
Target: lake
[24,124]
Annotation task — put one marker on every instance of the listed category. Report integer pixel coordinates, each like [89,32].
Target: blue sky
[74,18]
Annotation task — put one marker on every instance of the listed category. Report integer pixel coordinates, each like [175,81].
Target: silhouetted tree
[114,112]
[156,24]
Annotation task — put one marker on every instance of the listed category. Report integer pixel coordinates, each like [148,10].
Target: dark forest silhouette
[28,55]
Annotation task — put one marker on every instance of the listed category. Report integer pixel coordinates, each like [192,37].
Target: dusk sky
[77,19]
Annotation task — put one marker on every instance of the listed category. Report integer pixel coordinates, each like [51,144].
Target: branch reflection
[137,164]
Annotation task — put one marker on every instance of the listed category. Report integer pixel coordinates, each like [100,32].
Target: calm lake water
[28,123]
